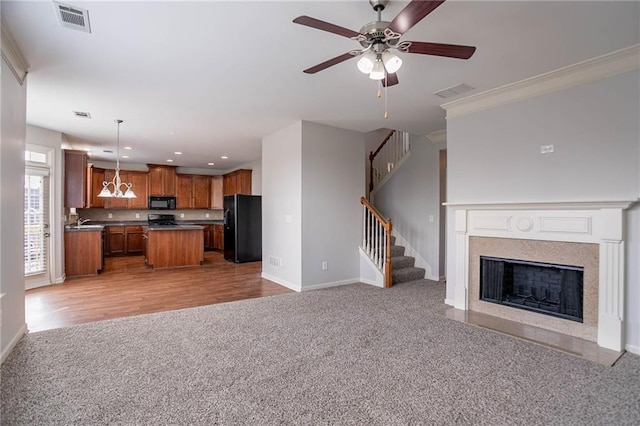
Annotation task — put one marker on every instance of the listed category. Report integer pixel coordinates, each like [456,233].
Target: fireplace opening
[545,288]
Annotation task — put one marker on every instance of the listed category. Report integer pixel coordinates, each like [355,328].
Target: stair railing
[376,239]
[383,160]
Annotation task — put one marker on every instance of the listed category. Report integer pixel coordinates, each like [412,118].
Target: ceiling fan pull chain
[379,85]
[386,100]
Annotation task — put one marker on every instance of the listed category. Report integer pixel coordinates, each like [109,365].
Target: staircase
[402,266]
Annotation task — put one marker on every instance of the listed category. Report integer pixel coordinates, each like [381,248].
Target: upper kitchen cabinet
[237,182]
[95,179]
[217,188]
[162,180]
[75,164]
[139,185]
[193,191]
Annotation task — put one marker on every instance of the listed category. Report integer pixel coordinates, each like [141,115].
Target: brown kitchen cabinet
[95,179]
[218,237]
[124,240]
[208,237]
[217,193]
[83,253]
[162,180]
[237,182]
[75,186]
[139,183]
[193,191]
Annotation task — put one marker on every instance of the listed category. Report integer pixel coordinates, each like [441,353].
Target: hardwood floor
[128,287]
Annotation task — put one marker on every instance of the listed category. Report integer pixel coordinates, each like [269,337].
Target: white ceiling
[211,78]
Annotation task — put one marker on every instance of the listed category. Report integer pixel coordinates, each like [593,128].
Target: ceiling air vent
[107,151]
[454,91]
[81,114]
[72,17]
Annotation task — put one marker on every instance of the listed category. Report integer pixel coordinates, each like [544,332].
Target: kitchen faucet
[81,221]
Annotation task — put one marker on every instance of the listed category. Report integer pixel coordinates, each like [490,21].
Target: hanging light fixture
[392,63]
[377,73]
[117,182]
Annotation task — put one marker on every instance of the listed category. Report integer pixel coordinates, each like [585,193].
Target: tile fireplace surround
[587,234]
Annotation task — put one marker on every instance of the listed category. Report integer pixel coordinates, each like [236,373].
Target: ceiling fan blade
[325,26]
[329,63]
[412,14]
[439,49]
[391,80]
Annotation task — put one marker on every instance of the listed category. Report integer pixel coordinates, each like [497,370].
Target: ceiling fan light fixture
[392,62]
[377,73]
[365,64]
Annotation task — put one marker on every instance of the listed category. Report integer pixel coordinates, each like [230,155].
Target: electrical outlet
[430,218]
[325,265]
[137,215]
[110,215]
[181,215]
[206,215]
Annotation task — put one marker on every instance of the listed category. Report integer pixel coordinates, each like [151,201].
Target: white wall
[410,196]
[333,177]
[494,155]
[52,139]
[281,200]
[13,104]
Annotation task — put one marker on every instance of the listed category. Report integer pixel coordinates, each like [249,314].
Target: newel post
[388,279]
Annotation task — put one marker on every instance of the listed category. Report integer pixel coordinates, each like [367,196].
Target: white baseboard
[292,286]
[633,349]
[371,282]
[331,284]
[13,343]
[449,302]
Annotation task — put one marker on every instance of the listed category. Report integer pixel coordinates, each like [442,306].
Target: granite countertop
[84,228]
[173,227]
[104,223]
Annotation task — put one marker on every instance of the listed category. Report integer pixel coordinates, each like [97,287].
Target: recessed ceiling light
[224,157]
[125,156]
[210,164]
[177,153]
[169,160]
[128,147]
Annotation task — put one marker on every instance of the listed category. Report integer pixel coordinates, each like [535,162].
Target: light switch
[431,218]
[288,218]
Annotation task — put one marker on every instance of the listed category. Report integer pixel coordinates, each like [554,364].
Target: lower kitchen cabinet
[83,253]
[218,237]
[124,240]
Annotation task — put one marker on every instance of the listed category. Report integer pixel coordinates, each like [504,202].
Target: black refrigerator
[242,228]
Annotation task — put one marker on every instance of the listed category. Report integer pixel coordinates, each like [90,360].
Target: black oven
[162,203]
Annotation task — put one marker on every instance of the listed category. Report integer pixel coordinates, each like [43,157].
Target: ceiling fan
[379,37]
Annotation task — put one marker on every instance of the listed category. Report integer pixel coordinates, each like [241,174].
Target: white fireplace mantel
[598,222]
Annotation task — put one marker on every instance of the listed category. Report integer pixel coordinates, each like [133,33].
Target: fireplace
[574,235]
[544,288]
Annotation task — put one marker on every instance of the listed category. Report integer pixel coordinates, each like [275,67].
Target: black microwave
[162,203]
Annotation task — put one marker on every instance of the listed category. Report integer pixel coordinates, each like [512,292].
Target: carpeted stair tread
[407,274]
[397,251]
[400,262]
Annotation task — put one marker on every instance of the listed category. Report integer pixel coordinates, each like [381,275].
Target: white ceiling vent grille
[454,91]
[81,114]
[72,17]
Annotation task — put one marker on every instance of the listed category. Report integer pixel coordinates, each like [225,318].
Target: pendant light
[117,182]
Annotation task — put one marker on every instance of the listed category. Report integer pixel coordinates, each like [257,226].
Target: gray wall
[14,110]
[332,184]
[282,205]
[312,180]
[494,155]
[410,196]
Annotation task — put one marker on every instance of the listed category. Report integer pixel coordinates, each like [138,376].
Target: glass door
[37,250]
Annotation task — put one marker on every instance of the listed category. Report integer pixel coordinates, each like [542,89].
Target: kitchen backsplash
[102,215]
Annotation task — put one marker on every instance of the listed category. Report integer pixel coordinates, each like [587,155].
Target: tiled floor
[572,345]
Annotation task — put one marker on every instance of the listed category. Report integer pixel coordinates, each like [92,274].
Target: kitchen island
[167,246]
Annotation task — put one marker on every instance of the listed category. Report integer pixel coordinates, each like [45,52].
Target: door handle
[47,235]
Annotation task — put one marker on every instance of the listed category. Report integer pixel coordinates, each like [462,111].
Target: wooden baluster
[364,226]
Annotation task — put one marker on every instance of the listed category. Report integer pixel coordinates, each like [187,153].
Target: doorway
[37,213]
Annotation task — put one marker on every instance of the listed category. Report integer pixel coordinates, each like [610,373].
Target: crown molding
[437,137]
[12,54]
[608,65]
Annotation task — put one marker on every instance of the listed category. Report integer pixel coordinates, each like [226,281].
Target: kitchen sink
[84,226]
